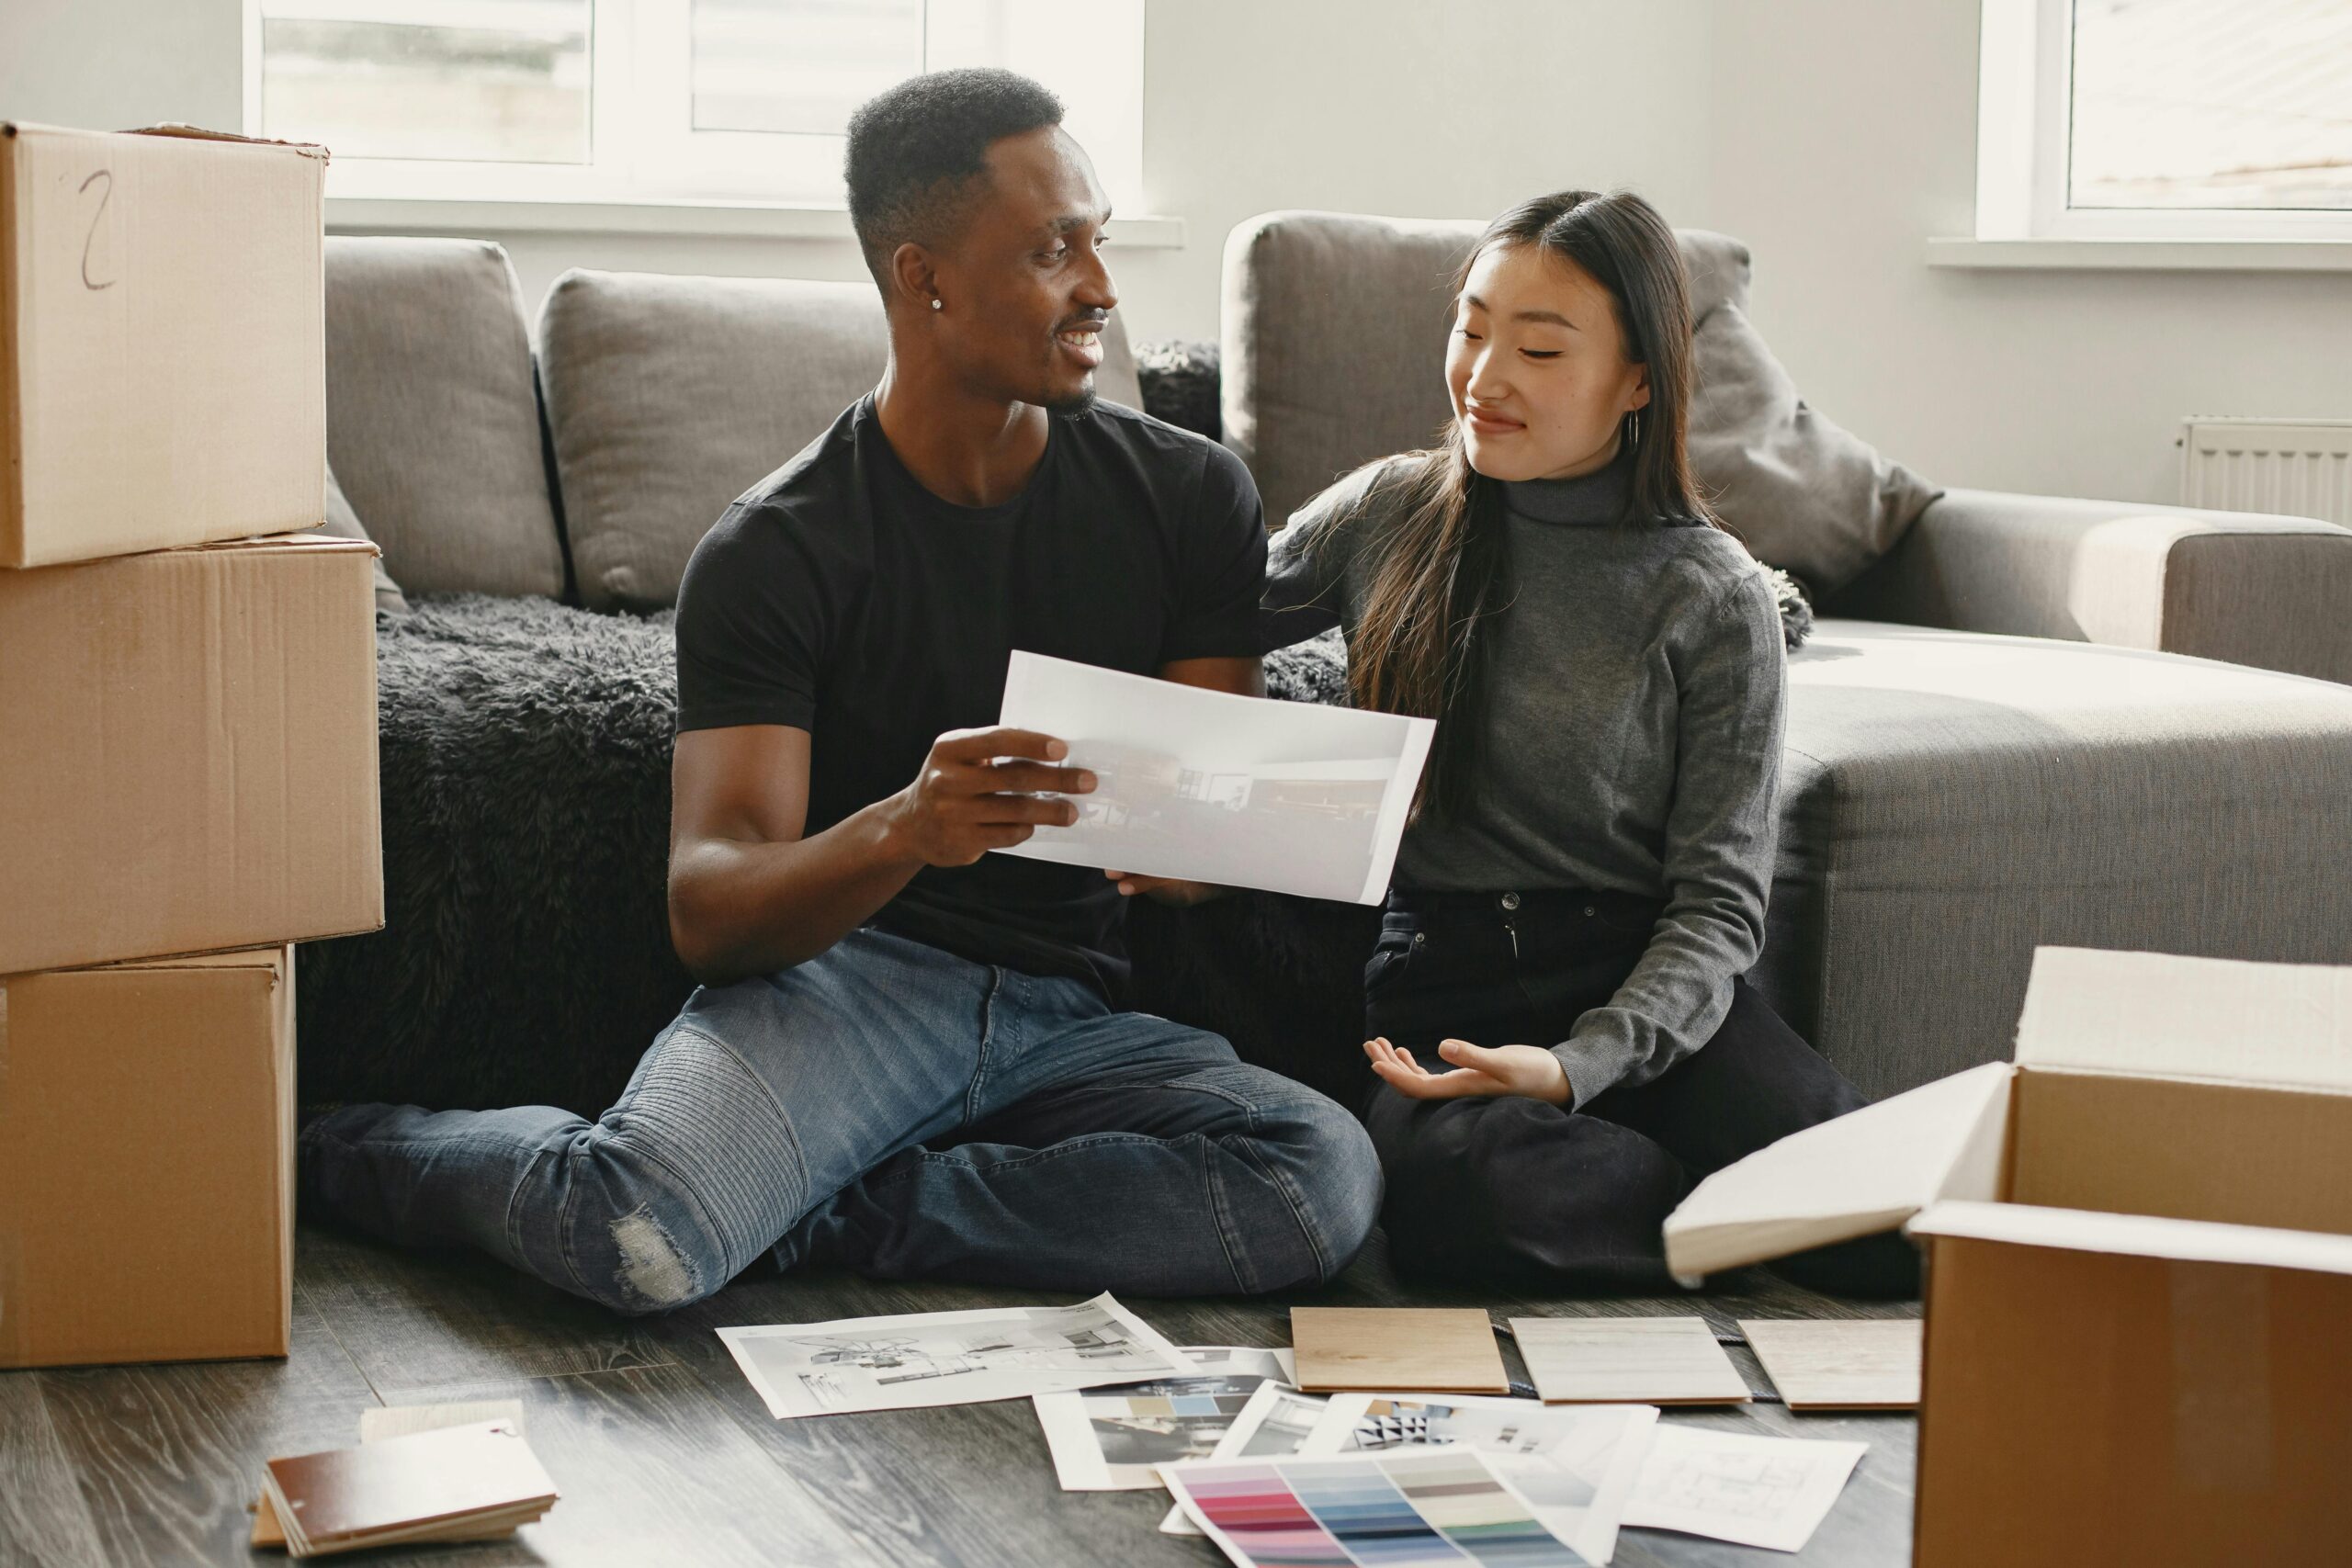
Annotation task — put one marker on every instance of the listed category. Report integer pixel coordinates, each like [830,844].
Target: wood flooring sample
[1397,1349]
[1831,1363]
[1618,1361]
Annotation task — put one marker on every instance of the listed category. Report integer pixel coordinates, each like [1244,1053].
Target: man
[904,1055]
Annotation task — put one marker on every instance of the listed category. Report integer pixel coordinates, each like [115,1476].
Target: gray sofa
[1954,796]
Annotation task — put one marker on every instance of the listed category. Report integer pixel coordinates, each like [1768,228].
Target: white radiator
[2300,466]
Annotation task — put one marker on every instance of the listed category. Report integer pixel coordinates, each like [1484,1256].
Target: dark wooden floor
[665,1454]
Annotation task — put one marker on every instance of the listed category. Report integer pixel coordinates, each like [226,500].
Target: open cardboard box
[2139,1248]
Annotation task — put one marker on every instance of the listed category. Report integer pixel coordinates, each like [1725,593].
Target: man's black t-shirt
[839,597]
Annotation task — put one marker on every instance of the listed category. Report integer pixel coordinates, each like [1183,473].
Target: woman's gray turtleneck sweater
[1634,720]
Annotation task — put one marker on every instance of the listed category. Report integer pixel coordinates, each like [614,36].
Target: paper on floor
[1769,1492]
[1574,1464]
[948,1358]
[1244,792]
[1276,1422]
[1115,1440]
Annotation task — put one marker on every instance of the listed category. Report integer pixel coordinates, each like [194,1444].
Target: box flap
[1865,1172]
[2220,1020]
[167,127]
[2140,1236]
[198,133]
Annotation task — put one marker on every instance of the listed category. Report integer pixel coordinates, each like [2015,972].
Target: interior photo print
[1018,784]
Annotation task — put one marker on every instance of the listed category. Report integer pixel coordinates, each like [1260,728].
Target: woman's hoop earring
[1633,427]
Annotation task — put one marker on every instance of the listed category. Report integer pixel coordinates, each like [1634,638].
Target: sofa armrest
[2246,587]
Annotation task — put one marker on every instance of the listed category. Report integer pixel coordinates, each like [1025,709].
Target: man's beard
[1076,403]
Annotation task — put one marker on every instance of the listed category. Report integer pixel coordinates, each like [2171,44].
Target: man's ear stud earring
[937,303]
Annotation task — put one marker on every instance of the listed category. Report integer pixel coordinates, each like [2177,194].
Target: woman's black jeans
[1516,1190]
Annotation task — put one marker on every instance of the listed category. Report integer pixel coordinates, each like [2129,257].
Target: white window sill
[775,221]
[2143,255]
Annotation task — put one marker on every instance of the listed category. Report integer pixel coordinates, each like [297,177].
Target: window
[716,102]
[2166,119]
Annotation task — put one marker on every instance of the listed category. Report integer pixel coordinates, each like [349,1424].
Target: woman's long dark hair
[1420,644]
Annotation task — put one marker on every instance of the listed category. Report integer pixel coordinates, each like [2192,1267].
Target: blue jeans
[894,1109]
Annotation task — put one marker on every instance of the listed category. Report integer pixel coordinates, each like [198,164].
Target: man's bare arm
[1245,676]
[749,894]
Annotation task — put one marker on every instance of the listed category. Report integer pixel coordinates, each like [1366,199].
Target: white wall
[1832,135]
[1251,104]
[1845,134]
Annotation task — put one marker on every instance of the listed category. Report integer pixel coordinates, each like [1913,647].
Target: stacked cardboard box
[188,734]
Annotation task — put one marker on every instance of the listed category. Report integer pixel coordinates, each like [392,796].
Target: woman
[1564,1040]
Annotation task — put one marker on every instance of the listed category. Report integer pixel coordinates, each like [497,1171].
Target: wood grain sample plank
[1408,1350]
[1839,1363]
[1646,1361]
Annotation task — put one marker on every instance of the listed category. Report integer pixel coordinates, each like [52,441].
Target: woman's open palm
[1472,1070]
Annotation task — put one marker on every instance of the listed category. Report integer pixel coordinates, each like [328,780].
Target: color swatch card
[1382,1510]
[1115,1440]
[436,1485]
[1618,1361]
[1767,1492]
[948,1358]
[380,1422]
[1868,1363]
[1275,1424]
[1572,1464]
[1398,1350]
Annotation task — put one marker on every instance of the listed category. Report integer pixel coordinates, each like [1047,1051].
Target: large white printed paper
[1769,1492]
[1115,1440]
[1574,1464]
[948,1358]
[1243,792]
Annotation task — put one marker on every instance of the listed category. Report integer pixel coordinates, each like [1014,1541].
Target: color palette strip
[1390,1510]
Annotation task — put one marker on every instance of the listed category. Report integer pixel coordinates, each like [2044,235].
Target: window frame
[2024,110]
[632,60]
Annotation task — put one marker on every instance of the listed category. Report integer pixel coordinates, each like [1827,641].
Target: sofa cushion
[1952,800]
[433,422]
[668,397]
[343,524]
[1334,339]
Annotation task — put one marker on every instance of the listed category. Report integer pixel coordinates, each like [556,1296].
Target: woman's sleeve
[1306,565]
[1721,833]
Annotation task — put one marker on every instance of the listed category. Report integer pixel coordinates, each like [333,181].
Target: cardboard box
[2139,1247]
[188,752]
[146,1160]
[162,341]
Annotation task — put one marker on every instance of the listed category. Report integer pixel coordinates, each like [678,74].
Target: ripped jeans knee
[679,1187]
[651,1272]
[627,1238]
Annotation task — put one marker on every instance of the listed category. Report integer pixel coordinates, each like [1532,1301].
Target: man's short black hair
[918,152]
